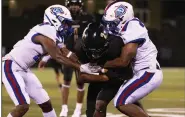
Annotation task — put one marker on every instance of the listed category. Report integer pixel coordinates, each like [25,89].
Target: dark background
[165,20]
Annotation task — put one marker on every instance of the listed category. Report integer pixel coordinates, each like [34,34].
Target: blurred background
[165,20]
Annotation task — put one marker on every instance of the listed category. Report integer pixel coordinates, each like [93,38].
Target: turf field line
[164,99]
[151,114]
[165,115]
[167,110]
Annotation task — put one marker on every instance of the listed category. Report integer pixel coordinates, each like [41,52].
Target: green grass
[171,94]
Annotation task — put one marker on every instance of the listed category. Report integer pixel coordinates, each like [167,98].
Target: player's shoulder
[44,26]
[134,24]
[112,37]
[45,29]
[87,15]
[134,31]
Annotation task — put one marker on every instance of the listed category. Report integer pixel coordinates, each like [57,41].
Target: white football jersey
[134,31]
[25,52]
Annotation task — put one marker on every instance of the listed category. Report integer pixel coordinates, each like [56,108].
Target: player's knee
[66,84]
[39,95]
[121,106]
[137,103]
[118,103]
[22,108]
[46,106]
[80,86]
[101,106]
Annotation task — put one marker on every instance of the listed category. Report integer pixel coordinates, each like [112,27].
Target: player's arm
[134,35]
[102,77]
[127,54]
[72,56]
[86,78]
[43,61]
[55,52]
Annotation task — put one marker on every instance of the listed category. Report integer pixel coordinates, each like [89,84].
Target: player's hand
[42,64]
[85,69]
[94,67]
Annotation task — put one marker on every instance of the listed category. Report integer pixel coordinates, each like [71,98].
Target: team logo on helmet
[103,35]
[120,11]
[56,10]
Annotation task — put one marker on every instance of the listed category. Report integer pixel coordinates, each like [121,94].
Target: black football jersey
[113,51]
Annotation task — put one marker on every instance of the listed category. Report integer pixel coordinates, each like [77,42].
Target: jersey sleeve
[47,30]
[134,32]
[50,32]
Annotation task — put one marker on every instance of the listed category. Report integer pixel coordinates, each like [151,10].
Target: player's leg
[15,87]
[80,96]
[39,95]
[92,93]
[57,67]
[138,87]
[107,93]
[67,71]
[140,105]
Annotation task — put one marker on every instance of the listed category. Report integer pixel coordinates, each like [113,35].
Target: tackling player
[139,51]
[97,47]
[81,19]
[46,38]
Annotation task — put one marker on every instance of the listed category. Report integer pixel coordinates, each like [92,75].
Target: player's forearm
[118,62]
[66,61]
[69,54]
[56,54]
[127,54]
[92,78]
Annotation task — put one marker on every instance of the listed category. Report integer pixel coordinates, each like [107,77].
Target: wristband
[104,70]
[69,54]
[46,58]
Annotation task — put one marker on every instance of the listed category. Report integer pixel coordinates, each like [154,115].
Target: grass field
[167,101]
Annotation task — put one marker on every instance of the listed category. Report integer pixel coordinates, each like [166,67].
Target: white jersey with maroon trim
[134,31]
[25,52]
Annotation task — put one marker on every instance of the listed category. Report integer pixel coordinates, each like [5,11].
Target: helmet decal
[56,10]
[105,36]
[120,11]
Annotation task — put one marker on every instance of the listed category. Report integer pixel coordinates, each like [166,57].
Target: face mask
[66,28]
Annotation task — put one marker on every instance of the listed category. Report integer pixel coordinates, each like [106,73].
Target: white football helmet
[117,13]
[60,17]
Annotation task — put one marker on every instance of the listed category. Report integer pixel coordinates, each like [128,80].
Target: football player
[97,47]
[45,38]
[138,50]
[81,20]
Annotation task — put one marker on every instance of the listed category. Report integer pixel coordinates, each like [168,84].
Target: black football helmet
[95,41]
[70,2]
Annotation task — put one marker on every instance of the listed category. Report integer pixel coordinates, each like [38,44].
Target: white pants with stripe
[142,83]
[22,85]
